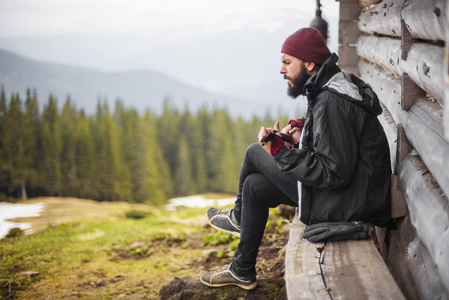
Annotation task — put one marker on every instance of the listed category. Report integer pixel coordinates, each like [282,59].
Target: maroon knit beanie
[307,44]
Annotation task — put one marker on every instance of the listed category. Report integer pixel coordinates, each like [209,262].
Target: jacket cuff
[297,123]
[276,144]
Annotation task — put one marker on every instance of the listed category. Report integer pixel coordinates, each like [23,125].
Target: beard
[298,83]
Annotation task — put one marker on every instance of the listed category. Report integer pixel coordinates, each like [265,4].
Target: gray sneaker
[221,219]
[225,277]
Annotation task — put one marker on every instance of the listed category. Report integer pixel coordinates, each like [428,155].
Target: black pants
[261,186]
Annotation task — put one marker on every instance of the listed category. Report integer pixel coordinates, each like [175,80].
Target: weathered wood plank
[383,51]
[427,282]
[426,19]
[399,268]
[349,10]
[381,234]
[410,92]
[368,3]
[391,129]
[302,269]
[423,64]
[422,123]
[383,18]
[350,269]
[429,211]
[348,59]
[404,147]
[355,270]
[398,205]
[446,82]
[407,40]
[348,33]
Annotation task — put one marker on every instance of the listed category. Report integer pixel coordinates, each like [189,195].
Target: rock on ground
[187,287]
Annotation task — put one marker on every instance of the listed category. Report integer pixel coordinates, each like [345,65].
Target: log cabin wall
[399,48]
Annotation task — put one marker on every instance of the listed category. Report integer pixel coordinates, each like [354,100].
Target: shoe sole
[237,234]
[245,287]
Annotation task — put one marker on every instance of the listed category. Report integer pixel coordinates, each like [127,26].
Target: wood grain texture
[429,213]
[446,81]
[425,20]
[417,258]
[302,270]
[390,129]
[422,123]
[382,19]
[368,3]
[410,92]
[423,64]
[358,267]
[336,270]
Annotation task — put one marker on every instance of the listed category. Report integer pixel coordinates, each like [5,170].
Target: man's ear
[310,67]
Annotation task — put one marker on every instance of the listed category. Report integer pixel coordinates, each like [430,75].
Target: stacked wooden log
[403,55]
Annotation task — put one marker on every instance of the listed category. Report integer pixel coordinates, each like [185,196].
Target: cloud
[30,17]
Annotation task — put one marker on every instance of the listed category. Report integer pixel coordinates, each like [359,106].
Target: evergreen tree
[156,181]
[168,135]
[68,151]
[240,142]
[86,161]
[183,175]
[115,179]
[226,179]
[52,147]
[219,152]
[4,178]
[193,159]
[198,151]
[33,125]
[131,147]
[14,159]
[17,145]
[3,111]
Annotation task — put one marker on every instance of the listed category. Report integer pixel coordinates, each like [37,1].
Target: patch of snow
[197,201]
[11,210]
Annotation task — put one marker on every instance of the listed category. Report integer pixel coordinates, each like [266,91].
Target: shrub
[137,214]
[15,232]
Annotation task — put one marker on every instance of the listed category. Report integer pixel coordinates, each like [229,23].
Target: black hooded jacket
[343,161]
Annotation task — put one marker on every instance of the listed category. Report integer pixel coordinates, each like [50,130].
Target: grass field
[91,250]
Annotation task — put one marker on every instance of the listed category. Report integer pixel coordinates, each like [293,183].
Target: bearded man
[335,167]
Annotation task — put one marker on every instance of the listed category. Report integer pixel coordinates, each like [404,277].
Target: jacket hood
[331,77]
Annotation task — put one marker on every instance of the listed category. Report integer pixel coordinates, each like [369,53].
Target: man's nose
[283,70]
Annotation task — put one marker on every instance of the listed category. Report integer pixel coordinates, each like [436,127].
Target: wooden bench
[336,270]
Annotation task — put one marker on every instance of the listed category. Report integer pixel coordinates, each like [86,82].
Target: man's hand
[263,133]
[294,128]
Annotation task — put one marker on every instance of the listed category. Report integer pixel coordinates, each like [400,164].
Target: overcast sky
[230,46]
[44,17]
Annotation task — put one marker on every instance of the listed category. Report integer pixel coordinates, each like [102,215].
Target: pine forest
[118,154]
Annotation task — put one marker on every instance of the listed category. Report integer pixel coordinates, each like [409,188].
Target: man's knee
[253,148]
[255,152]
[254,183]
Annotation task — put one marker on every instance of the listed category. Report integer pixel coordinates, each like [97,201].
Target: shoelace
[222,270]
[225,211]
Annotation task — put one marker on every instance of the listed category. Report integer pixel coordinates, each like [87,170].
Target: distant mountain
[140,89]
